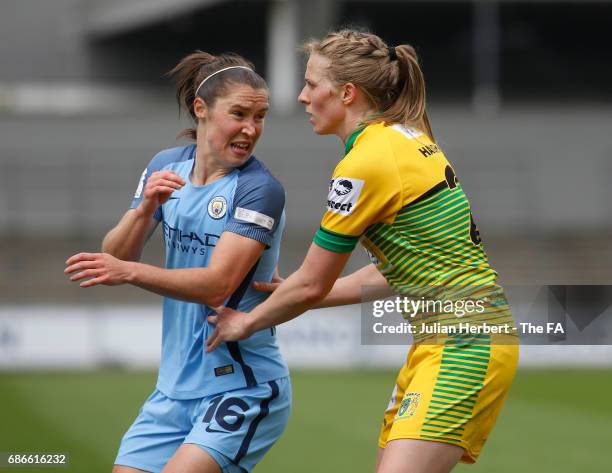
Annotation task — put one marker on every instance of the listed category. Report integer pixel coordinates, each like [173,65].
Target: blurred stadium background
[519,96]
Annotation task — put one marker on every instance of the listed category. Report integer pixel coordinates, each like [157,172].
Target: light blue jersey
[250,202]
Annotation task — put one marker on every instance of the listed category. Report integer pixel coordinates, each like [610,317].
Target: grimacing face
[321,97]
[234,124]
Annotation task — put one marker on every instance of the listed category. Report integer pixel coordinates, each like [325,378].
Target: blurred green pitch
[554,421]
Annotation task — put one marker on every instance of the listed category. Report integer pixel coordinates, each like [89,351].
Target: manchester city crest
[217,207]
[408,406]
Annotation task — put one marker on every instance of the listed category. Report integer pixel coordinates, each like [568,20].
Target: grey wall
[42,40]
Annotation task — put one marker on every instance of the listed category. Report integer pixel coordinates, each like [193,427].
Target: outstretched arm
[363,285]
[299,292]
[233,258]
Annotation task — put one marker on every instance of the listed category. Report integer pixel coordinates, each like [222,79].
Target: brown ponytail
[391,78]
[194,68]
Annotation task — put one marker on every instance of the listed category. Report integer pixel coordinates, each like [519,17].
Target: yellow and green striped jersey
[396,192]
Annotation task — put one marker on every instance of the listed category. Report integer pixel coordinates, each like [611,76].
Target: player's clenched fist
[160,185]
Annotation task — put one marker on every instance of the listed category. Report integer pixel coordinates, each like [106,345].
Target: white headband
[217,72]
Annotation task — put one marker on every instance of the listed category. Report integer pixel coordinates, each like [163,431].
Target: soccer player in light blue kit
[221,213]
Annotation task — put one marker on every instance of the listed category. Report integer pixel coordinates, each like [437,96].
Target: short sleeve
[363,191]
[259,201]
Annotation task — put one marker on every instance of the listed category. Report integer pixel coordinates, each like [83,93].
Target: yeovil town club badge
[217,207]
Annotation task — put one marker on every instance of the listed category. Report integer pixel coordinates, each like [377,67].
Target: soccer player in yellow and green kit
[396,193]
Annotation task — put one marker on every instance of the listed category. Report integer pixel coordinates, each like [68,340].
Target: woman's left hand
[231,326]
[269,286]
[100,268]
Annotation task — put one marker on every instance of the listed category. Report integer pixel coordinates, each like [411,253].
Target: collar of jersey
[351,141]
[221,179]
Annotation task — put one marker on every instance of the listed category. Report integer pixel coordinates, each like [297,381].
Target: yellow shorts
[452,392]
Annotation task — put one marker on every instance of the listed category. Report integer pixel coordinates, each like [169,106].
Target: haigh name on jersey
[429,150]
[188,242]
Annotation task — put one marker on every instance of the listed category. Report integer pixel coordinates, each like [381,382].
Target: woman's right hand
[159,187]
